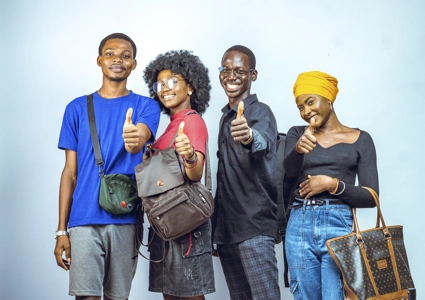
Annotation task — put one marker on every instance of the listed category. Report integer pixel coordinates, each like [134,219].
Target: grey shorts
[183,274]
[103,260]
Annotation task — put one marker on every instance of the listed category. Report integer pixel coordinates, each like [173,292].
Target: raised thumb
[240,109]
[181,126]
[312,125]
[128,116]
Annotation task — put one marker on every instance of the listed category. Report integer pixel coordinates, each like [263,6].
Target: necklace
[324,139]
[99,91]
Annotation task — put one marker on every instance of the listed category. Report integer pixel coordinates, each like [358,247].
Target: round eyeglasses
[239,72]
[169,82]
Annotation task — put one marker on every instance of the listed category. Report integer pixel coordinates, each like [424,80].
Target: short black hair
[188,65]
[120,36]
[245,50]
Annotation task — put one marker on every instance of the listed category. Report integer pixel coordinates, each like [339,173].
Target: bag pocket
[201,197]
[118,194]
[176,212]
[200,241]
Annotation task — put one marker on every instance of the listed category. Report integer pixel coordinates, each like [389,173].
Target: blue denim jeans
[313,273]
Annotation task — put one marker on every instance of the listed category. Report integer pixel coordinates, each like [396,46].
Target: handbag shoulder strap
[93,134]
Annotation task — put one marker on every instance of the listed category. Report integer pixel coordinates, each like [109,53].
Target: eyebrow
[308,98]
[126,50]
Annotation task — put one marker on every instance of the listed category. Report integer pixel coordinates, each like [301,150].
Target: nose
[307,111]
[232,74]
[117,58]
[163,87]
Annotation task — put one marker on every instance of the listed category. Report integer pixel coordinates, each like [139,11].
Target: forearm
[66,190]
[194,171]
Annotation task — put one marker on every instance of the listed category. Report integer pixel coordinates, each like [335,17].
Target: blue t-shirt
[75,135]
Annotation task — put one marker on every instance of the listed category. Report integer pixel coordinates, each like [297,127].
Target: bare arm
[193,159]
[66,190]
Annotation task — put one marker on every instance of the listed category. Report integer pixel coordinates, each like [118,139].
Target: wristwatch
[60,232]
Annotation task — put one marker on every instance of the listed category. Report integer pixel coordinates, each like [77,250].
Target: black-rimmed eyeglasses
[238,72]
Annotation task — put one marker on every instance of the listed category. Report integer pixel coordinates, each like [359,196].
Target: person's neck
[235,101]
[111,90]
[333,125]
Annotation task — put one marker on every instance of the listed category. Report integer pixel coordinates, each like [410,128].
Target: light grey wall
[48,57]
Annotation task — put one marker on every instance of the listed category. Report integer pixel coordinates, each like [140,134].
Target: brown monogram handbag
[373,262]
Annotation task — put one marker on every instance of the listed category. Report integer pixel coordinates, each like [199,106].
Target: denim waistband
[299,202]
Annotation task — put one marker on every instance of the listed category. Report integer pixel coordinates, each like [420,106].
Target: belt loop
[327,206]
[304,206]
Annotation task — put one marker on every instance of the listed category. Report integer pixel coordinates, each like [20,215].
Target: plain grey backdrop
[48,56]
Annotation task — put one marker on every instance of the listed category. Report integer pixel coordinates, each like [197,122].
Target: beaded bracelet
[343,189]
[337,184]
[191,161]
[192,167]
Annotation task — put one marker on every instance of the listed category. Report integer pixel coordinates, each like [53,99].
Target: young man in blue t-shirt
[99,247]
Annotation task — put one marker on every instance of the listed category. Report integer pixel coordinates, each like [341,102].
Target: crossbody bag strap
[93,134]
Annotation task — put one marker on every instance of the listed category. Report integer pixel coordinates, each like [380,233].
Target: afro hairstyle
[189,66]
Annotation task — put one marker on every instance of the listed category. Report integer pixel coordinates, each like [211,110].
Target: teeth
[166,97]
[232,86]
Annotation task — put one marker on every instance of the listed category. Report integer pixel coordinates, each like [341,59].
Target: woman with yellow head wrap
[326,157]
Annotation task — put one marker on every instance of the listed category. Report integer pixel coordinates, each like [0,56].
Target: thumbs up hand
[130,131]
[307,141]
[182,143]
[239,126]
[128,116]
[241,107]
[312,125]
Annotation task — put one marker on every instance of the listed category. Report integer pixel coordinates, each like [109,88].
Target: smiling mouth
[117,69]
[232,87]
[168,97]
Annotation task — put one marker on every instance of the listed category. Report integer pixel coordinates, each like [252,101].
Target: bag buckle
[101,171]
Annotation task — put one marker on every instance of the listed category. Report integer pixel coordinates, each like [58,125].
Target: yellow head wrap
[316,82]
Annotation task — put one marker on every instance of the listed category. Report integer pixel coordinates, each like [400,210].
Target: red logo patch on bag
[160,182]
[123,204]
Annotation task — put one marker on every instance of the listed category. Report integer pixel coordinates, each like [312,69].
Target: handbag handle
[379,218]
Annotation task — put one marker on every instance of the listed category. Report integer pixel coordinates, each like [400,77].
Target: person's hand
[63,245]
[182,143]
[315,185]
[239,126]
[130,131]
[307,142]
[214,252]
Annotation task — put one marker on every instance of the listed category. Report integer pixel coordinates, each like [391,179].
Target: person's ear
[134,65]
[99,60]
[254,75]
